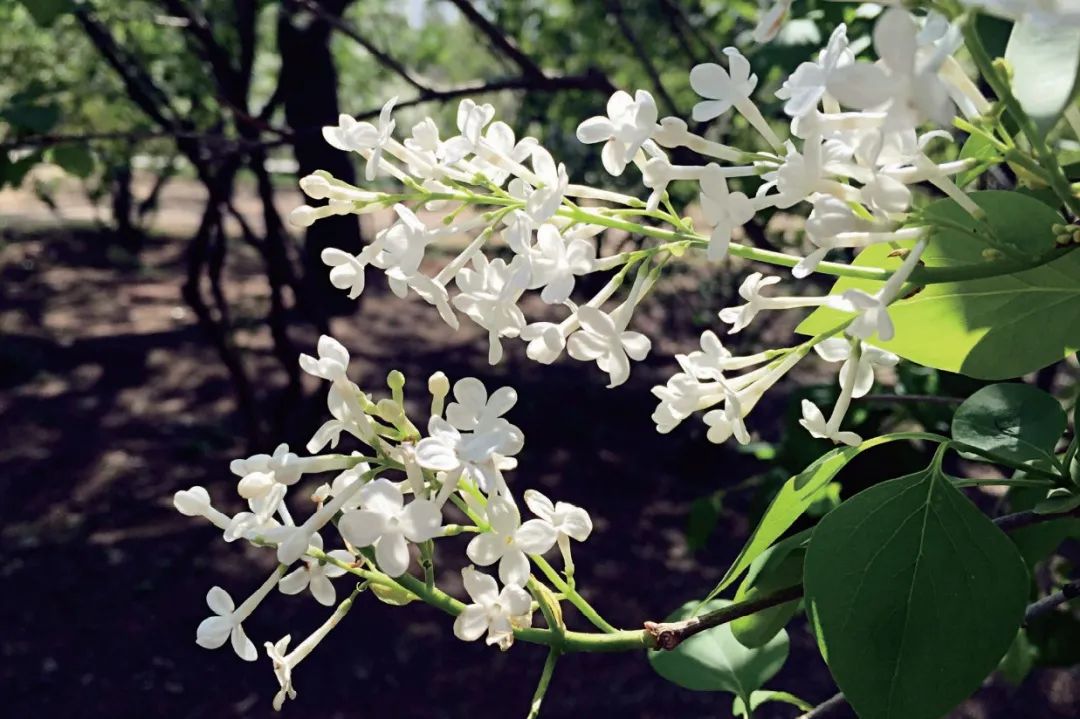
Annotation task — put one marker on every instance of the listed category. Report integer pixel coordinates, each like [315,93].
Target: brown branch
[1067,593]
[591,81]
[346,28]
[826,707]
[668,635]
[499,39]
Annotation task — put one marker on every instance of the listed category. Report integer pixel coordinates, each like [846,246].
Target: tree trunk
[309,86]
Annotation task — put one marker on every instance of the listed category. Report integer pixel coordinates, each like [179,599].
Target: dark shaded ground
[110,401]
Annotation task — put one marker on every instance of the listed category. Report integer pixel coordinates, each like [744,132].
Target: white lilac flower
[741,395]
[509,541]
[567,520]
[814,422]
[316,575]
[723,210]
[904,82]
[1043,13]
[260,472]
[872,311]
[605,340]
[474,409]
[802,173]
[352,136]
[425,148]
[255,523]
[727,88]
[629,123]
[555,260]
[306,216]
[546,341]
[332,362]
[227,622]
[544,192]
[341,483]
[293,541]
[402,249]
[195,502]
[471,121]
[804,88]
[285,661]
[388,524]
[750,290]
[501,152]
[489,295]
[493,612]
[475,455]
[861,364]
[828,222]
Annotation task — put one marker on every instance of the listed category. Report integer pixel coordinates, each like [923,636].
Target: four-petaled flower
[388,524]
[509,541]
[610,345]
[352,136]
[629,123]
[494,612]
[315,575]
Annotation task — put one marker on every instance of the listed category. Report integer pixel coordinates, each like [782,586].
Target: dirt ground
[111,400]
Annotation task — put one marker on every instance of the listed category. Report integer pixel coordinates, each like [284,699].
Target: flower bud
[439,386]
[315,187]
[304,216]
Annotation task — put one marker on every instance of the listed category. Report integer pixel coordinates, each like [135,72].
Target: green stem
[571,595]
[542,685]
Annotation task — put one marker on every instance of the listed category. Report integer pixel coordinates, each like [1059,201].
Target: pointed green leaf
[714,661]
[914,597]
[794,498]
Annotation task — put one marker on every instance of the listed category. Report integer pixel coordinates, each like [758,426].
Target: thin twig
[824,708]
[1050,602]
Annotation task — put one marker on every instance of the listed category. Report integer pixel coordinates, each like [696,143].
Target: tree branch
[499,39]
[347,29]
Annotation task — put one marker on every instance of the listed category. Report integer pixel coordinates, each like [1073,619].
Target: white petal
[595,129]
[219,601]
[481,587]
[322,589]
[471,624]
[213,632]
[503,516]
[514,568]
[381,496]
[538,504]
[295,582]
[244,647]
[421,520]
[485,549]
[392,554]
[516,600]
[575,522]
[535,536]
[362,527]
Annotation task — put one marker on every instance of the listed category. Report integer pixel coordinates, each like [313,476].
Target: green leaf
[979,148]
[738,707]
[1016,421]
[45,12]
[795,496]
[914,597]
[75,159]
[993,328]
[778,567]
[1045,62]
[12,173]
[715,661]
